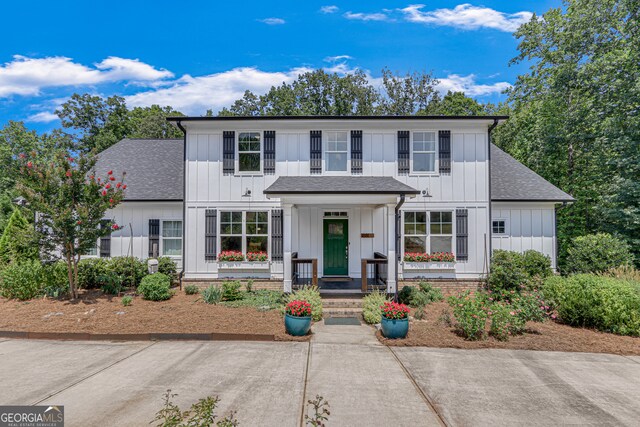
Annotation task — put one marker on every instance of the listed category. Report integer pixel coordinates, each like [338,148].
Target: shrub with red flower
[298,308]
[257,256]
[433,257]
[230,256]
[393,310]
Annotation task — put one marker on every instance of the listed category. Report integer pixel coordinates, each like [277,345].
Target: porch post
[286,245]
[391,251]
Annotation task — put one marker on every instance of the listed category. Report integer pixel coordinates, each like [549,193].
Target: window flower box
[440,261]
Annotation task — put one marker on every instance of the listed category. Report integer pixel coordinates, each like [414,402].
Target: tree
[454,104]
[71,202]
[151,122]
[19,241]
[406,95]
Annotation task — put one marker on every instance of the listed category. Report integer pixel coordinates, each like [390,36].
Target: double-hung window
[415,232]
[337,152]
[249,152]
[441,230]
[423,152]
[171,238]
[244,231]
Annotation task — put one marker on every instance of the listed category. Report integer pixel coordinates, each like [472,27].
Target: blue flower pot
[297,326]
[394,328]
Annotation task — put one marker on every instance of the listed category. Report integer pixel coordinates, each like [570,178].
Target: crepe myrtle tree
[70,202]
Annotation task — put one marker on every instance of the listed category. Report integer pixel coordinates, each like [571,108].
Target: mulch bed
[547,336]
[96,313]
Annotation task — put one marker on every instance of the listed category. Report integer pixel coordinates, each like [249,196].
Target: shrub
[424,295]
[505,321]
[604,303]
[110,283]
[212,294]
[405,294]
[19,241]
[249,286]
[371,307]
[191,289]
[507,271]
[394,311]
[168,267]
[597,253]
[127,300]
[311,295]
[470,314]
[130,269]
[155,287]
[231,291]
[55,279]
[201,413]
[89,269]
[536,264]
[624,272]
[22,281]
[262,299]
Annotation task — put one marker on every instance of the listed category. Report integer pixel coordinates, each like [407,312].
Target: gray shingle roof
[155,171]
[154,167]
[511,180]
[339,184]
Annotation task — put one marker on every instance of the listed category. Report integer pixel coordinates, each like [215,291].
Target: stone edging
[153,336]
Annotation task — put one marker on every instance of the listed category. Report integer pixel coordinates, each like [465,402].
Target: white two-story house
[329,200]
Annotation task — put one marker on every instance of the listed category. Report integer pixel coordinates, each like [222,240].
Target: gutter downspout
[184,195]
[488,256]
[397,242]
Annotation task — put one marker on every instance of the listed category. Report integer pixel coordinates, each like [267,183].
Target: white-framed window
[244,231]
[171,232]
[249,153]
[336,152]
[499,226]
[441,230]
[423,152]
[415,232]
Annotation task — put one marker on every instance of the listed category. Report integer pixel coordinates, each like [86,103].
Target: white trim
[244,234]
[428,233]
[505,233]
[436,165]
[236,160]
[161,248]
[325,146]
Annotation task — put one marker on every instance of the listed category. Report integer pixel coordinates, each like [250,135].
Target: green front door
[336,247]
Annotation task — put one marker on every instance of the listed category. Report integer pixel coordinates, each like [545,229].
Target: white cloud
[467,17]
[42,117]
[28,76]
[329,9]
[366,16]
[468,85]
[194,95]
[337,58]
[272,21]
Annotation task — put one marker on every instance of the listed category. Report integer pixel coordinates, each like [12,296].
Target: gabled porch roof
[303,185]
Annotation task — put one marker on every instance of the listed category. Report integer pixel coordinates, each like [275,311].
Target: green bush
[89,269]
[55,279]
[19,241]
[155,287]
[212,294]
[425,294]
[191,289]
[167,266]
[470,313]
[130,269]
[508,271]
[536,264]
[405,294]
[597,253]
[311,295]
[604,303]
[231,291]
[110,283]
[371,307]
[22,281]
[506,321]
[127,300]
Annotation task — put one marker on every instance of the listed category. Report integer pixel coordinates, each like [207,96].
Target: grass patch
[261,299]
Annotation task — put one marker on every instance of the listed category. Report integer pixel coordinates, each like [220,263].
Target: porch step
[342,312]
[341,303]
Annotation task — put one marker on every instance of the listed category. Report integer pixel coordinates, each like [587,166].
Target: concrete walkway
[366,383]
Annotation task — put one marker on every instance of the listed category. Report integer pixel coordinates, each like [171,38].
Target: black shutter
[154,238]
[356,152]
[462,234]
[403,152]
[316,152]
[210,234]
[269,152]
[276,235]
[228,154]
[444,151]
[105,241]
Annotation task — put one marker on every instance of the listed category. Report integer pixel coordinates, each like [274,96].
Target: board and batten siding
[528,226]
[133,218]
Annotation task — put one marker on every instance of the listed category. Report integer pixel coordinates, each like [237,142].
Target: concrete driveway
[365,383]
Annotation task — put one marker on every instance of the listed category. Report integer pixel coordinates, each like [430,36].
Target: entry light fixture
[247,193]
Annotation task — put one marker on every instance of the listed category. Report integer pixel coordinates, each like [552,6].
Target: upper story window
[423,152]
[249,152]
[337,152]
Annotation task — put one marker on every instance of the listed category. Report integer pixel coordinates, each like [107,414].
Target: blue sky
[196,55]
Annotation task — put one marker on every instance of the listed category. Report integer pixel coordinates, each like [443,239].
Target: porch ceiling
[355,185]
